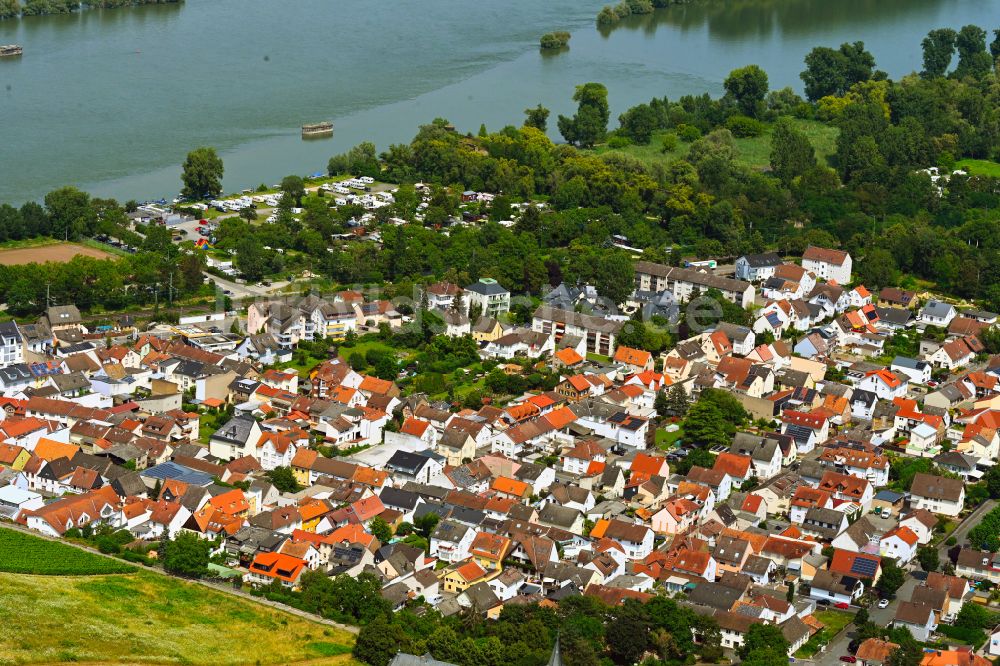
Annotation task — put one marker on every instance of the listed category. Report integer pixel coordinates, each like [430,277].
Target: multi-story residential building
[599,333]
[491,298]
[830,265]
[11,344]
[686,283]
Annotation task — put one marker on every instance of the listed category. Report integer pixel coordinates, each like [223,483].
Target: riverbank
[16,9]
[132,146]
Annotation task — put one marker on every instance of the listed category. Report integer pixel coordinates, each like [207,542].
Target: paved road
[963,530]
[883,616]
[880,616]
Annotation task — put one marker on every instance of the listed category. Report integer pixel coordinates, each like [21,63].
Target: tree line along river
[112,100]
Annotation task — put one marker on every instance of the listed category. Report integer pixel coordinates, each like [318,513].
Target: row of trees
[13,8]
[589,632]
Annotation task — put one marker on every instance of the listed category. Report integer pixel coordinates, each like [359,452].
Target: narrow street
[884,616]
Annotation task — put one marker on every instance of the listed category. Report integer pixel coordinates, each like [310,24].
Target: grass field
[753,152]
[979,167]
[42,252]
[667,440]
[27,554]
[145,618]
[834,622]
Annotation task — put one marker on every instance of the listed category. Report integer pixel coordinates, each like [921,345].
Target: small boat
[317,130]
[11,50]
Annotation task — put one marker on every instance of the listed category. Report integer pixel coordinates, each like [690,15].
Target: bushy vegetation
[863,191]
[26,554]
[986,535]
[14,8]
[589,633]
[554,40]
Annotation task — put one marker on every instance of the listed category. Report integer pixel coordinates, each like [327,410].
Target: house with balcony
[491,298]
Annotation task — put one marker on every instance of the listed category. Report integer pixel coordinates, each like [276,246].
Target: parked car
[849,658]
[883,603]
[843,605]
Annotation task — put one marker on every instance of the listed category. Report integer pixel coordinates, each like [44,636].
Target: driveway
[836,648]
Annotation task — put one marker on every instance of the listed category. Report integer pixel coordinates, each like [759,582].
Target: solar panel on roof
[864,567]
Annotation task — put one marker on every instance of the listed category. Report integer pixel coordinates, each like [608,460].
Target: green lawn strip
[752,152]
[667,440]
[834,622]
[979,167]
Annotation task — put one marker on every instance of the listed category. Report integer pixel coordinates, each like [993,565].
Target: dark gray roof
[397,497]
[8,329]
[937,309]
[714,595]
[487,287]
[237,430]
[898,316]
[761,260]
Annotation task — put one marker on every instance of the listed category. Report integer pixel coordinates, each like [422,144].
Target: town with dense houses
[795,470]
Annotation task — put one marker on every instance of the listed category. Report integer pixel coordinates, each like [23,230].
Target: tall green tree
[792,154]
[973,59]
[9,8]
[909,653]
[705,425]
[678,401]
[202,174]
[283,479]
[590,123]
[70,213]
[538,117]
[379,641]
[832,71]
[764,645]
[892,577]
[639,123]
[614,276]
[380,529]
[878,269]
[748,87]
[938,47]
[186,555]
[294,188]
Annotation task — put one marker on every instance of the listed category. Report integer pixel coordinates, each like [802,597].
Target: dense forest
[14,8]
[870,194]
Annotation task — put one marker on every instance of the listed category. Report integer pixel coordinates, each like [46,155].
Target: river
[111,101]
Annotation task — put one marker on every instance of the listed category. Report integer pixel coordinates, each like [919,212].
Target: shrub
[688,133]
[554,40]
[669,142]
[744,126]
[618,141]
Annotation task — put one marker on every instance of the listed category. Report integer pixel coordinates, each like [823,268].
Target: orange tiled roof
[630,356]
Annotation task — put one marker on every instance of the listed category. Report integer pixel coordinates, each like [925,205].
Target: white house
[756,267]
[937,313]
[236,439]
[635,539]
[916,371]
[900,544]
[11,344]
[886,385]
[451,541]
[830,265]
[937,494]
[489,296]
